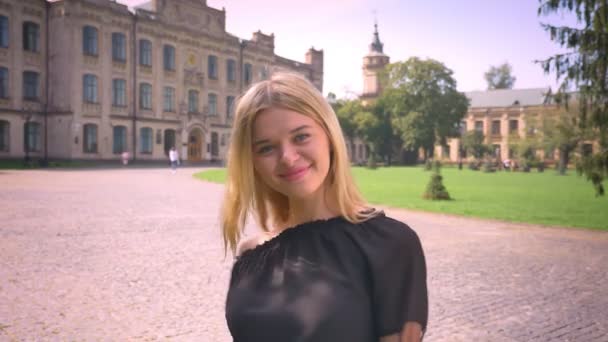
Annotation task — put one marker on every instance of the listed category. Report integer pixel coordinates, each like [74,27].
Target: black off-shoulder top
[329,280]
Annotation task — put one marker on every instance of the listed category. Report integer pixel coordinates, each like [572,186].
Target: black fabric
[329,280]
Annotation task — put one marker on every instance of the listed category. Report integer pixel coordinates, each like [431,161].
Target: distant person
[125,158]
[174,159]
[327,266]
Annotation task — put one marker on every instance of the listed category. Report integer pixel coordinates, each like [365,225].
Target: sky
[467,36]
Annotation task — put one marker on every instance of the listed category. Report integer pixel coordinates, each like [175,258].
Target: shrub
[428,165]
[435,190]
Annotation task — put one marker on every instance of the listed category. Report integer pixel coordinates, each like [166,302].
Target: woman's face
[290,152]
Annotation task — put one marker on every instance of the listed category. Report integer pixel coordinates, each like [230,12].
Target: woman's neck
[315,207]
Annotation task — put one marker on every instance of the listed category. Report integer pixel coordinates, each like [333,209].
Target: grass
[540,198]
[19,164]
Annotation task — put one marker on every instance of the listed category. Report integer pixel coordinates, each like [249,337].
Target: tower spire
[376,45]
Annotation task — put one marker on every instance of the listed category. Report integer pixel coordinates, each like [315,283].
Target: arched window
[119,139]
[89,88]
[89,40]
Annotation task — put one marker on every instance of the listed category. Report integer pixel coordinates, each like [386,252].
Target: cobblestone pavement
[136,255]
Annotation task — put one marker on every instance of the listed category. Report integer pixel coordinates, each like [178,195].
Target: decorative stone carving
[193,77]
[31,11]
[32,59]
[91,109]
[90,60]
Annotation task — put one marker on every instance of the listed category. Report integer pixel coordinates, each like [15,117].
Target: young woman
[327,266]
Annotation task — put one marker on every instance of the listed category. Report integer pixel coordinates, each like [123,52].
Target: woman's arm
[412,332]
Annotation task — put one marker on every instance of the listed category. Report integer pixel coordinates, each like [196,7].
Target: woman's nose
[288,155]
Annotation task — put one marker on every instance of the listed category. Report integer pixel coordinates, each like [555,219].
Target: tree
[421,95]
[561,131]
[499,77]
[585,68]
[472,142]
[347,110]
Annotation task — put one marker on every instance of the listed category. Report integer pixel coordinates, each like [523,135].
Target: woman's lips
[296,174]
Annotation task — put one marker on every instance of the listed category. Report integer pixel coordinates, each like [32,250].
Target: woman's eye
[301,137]
[264,149]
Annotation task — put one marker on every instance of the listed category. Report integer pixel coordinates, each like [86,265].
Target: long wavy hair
[245,192]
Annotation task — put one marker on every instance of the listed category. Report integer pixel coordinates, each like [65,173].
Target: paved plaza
[136,255]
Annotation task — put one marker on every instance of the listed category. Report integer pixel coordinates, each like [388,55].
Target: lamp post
[27,115]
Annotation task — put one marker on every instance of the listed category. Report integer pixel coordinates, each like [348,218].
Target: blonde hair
[246,193]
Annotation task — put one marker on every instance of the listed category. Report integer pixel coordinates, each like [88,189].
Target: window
[31,135]
[89,40]
[89,144]
[463,127]
[247,74]
[145,144]
[30,85]
[231,70]
[479,126]
[3,83]
[31,35]
[169,140]
[229,106]
[169,99]
[169,57]
[119,139]
[495,127]
[89,88]
[212,104]
[119,47]
[264,72]
[5,135]
[212,67]
[496,151]
[513,126]
[145,52]
[4,33]
[445,151]
[119,93]
[145,96]
[193,101]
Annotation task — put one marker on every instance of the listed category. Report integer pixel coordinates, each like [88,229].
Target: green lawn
[18,164]
[543,198]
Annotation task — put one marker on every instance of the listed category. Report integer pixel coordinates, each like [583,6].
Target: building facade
[89,79]
[502,116]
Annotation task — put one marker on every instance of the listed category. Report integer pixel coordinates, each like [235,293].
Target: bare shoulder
[251,242]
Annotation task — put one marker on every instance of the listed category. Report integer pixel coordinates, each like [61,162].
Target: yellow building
[501,115]
[89,79]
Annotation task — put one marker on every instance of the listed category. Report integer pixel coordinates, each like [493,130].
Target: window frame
[90,138]
[27,84]
[31,36]
[119,47]
[212,69]
[145,98]
[90,40]
[145,52]
[90,88]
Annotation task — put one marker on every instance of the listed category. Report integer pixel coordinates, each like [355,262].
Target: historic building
[89,79]
[501,115]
